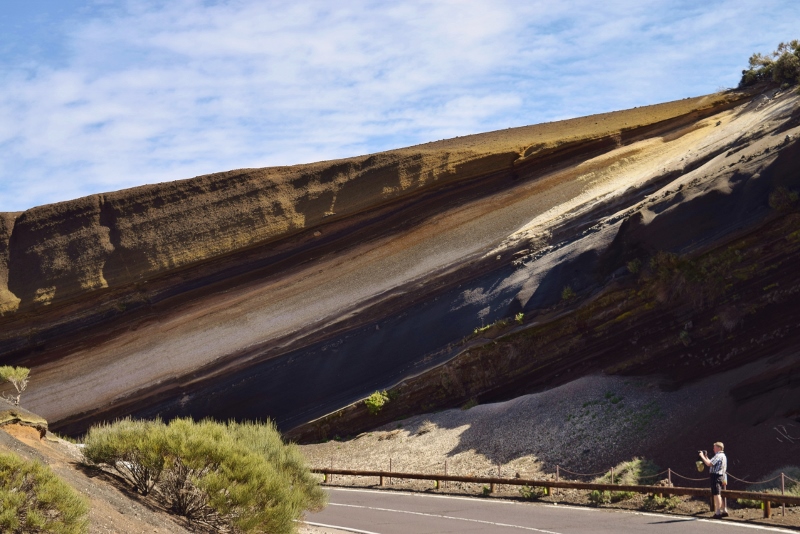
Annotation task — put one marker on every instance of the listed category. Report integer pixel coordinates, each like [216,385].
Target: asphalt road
[389,512]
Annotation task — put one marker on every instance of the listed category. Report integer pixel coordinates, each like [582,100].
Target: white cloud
[154,92]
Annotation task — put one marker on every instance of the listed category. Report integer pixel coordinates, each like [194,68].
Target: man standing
[719,470]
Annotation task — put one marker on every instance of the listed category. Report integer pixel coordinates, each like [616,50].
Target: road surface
[390,512]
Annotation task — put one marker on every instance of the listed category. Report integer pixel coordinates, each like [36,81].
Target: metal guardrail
[766,498]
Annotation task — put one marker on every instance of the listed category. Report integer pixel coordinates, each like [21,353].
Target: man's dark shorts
[716,484]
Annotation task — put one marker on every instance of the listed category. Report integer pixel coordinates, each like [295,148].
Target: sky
[102,95]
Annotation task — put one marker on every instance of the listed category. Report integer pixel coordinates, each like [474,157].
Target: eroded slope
[380,291]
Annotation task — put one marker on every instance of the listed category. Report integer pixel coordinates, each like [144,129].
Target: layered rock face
[291,292]
[60,252]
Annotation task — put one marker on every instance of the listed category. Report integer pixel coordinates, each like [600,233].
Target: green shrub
[237,477]
[470,404]
[783,200]
[530,493]
[786,69]
[634,266]
[637,471]
[567,293]
[599,497]
[654,502]
[519,318]
[500,323]
[34,499]
[134,449]
[376,401]
[781,66]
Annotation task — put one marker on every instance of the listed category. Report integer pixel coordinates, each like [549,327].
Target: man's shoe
[724,514]
[715,516]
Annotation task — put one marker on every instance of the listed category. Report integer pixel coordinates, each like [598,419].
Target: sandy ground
[328,288]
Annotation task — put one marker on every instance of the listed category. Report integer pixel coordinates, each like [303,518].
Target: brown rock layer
[55,253]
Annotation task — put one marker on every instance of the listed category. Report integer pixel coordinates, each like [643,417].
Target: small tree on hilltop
[18,376]
[781,66]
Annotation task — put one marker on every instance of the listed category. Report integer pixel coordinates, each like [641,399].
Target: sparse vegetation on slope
[634,472]
[781,66]
[238,476]
[18,376]
[34,499]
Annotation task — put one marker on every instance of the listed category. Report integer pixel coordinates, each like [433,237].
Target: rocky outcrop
[8,301]
[290,292]
[14,415]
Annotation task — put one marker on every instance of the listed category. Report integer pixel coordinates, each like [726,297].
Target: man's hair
[720,445]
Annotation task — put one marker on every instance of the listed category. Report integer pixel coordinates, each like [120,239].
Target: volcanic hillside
[292,292]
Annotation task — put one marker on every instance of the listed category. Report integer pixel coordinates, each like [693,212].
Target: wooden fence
[767,498]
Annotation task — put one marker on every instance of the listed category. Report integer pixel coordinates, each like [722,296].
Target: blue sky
[102,95]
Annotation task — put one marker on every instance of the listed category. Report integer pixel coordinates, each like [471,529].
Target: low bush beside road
[240,477]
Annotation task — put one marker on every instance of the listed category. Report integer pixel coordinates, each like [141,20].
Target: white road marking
[568,507]
[346,529]
[445,517]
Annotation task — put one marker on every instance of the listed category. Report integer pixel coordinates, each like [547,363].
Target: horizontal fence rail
[766,498]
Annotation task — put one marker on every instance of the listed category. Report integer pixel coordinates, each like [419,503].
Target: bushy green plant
[781,66]
[654,502]
[637,471]
[18,376]
[634,266]
[567,293]
[783,200]
[470,404]
[237,477]
[519,318]
[134,449]
[376,401]
[500,323]
[599,497]
[786,69]
[530,493]
[34,499]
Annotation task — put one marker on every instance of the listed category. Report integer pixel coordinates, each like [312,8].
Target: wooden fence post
[557,469]
[783,488]
[767,509]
